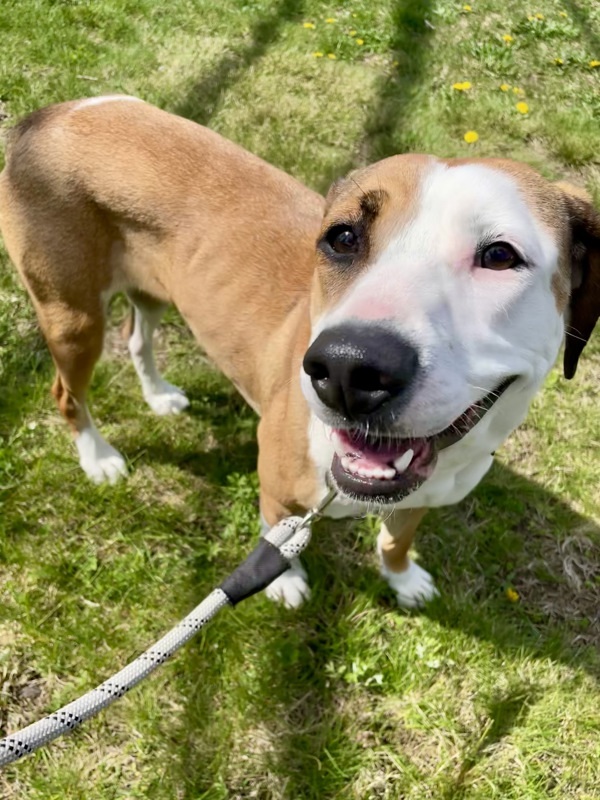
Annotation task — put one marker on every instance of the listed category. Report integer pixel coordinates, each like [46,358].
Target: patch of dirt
[573,598]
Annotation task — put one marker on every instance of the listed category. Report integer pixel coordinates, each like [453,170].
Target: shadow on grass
[510,533]
[203,99]
[385,132]
[585,25]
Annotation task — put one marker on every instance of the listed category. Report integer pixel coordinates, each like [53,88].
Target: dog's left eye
[342,239]
[500,256]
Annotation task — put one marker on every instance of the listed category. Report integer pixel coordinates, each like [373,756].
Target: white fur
[162,397]
[472,327]
[107,98]
[414,587]
[291,588]
[98,459]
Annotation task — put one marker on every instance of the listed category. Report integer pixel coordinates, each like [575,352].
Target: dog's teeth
[346,463]
[388,473]
[404,460]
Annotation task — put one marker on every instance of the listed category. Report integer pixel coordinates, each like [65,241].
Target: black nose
[355,370]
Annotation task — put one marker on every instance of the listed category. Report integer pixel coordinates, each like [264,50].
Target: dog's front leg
[292,587]
[412,584]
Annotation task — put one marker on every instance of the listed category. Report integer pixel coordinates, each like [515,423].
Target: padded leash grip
[263,565]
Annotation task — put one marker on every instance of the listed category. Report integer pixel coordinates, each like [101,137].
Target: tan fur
[122,195]
[397,534]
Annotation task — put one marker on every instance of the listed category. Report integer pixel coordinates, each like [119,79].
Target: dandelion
[330,20]
[310,25]
[504,87]
[522,108]
[318,55]
[562,14]
[471,137]
[508,38]
[594,64]
[332,56]
[462,87]
[512,595]
[539,16]
[359,41]
[559,61]
[468,9]
[518,91]
[352,33]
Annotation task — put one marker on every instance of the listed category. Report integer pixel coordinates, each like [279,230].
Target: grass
[477,697]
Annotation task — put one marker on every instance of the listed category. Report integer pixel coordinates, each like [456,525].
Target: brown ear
[584,304]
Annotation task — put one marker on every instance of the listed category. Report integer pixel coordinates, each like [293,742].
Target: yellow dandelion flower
[467,9]
[594,64]
[332,56]
[522,108]
[539,16]
[559,61]
[562,14]
[309,25]
[512,595]
[359,41]
[471,137]
[330,20]
[508,38]
[504,87]
[518,91]
[462,87]
[352,33]
[318,55]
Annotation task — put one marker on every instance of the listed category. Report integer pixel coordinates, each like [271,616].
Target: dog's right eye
[342,239]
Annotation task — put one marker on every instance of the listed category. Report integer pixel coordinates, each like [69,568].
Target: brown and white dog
[390,360]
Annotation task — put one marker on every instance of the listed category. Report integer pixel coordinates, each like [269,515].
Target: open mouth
[384,469]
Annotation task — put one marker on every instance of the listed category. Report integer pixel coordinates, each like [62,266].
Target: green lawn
[480,696]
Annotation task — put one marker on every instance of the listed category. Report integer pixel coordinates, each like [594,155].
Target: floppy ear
[584,303]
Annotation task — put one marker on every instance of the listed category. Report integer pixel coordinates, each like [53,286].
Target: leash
[269,559]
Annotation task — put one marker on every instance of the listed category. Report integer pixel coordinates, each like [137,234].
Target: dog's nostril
[316,371]
[369,379]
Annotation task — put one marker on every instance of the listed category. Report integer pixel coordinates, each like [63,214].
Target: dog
[390,336]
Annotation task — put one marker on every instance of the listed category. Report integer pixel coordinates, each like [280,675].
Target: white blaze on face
[472,327]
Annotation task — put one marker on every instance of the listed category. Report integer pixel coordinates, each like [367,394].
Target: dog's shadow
[516,566]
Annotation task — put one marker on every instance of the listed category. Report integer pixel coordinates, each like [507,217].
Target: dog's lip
[363,466]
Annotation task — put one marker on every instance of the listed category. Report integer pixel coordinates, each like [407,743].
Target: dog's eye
[342,239]
[500,256]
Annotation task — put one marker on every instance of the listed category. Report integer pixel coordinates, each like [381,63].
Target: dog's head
[442,291]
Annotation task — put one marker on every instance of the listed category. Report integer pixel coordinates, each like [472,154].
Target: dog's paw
[291,588]
[414,587]
[100,462]
[166,399]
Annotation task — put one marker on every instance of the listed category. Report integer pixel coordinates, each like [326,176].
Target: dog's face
[440,293]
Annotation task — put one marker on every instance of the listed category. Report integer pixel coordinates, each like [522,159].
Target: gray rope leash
[267,561]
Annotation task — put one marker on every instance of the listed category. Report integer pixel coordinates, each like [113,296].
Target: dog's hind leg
[413,585]
[75,337]
[161,396]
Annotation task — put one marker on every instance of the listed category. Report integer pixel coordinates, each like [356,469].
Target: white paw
[166,399]
[291,588]
[100,462]
[414,587]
